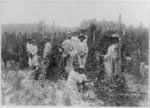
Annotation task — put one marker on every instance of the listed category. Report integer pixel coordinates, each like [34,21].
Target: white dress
[68,48]
[75,42]
[46,50]
[111,54]
[34,59]
[29,49]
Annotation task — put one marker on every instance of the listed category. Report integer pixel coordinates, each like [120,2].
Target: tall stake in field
[120,35]
[52,37]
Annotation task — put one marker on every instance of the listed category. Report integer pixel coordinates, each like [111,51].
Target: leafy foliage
[123,89]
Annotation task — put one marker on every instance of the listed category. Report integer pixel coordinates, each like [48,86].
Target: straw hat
[46,38]
[115,35]
[83,29]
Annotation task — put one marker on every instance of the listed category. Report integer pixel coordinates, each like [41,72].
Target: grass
[18,89]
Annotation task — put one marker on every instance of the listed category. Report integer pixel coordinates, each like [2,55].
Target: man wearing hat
[82,51]
[34,59]
[112,55]
[29,48]
[83,32]
[46,54]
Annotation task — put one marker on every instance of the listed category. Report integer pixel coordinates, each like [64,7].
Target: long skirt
[112,67]
[33,61]
[69,65]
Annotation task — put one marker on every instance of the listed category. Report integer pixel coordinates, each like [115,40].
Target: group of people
[74,54]
[75,48]
[32,50]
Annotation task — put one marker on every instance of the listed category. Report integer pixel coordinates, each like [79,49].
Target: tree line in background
[134,39]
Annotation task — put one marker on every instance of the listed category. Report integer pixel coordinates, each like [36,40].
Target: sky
[69,14]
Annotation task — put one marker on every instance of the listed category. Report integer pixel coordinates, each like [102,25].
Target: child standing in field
[33,53]
[29,48]
[46,55]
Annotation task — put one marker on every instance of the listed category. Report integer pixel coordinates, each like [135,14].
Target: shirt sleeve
[27,47]
[63,44]
[30,48]
[78,78]
[86,48]
[73,52]
[34,51]
[85,78]
[46,50]
[48,47]
[109,52]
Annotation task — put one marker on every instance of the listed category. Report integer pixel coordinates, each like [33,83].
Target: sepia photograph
[75,53]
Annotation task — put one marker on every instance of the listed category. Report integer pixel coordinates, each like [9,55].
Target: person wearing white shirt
[34,49]
[67,47]
[73,79]
[67,55]
[111,53]
[29,48]
[82,51]
[47,49]
[74,41]
[83,32]
[46,56]
[111,58]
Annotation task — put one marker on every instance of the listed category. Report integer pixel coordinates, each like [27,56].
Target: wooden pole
[43,33]
[15,33]
[120,36]
[94,36]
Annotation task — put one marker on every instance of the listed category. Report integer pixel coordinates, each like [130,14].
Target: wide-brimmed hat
[33,40]
[115,35]
[46,38]
[83,29]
